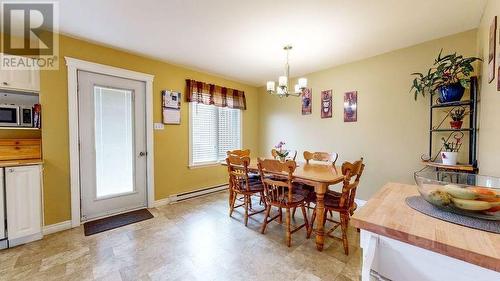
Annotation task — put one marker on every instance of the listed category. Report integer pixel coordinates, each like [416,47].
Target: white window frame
[192,165]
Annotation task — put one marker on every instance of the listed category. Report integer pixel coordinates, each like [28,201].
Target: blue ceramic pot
[452,92]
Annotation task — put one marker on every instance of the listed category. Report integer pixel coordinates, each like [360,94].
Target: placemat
[418,203]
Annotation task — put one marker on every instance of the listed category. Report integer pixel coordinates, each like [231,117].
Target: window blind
[214,130]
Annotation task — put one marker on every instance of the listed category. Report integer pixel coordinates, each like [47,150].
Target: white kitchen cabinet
[24,204]
[26,80]
[2,208]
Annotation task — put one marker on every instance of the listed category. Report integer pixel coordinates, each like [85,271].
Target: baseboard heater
[196,193]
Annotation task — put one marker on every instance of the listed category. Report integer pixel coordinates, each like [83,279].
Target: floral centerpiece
[280,151]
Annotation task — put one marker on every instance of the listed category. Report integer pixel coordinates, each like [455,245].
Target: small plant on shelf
[449,154]
[457,114]
[449,75]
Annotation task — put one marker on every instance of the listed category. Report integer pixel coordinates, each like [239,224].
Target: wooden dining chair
[342,203]
[321,156]
[240,184]
[239,152]
[307,190]
[278,192]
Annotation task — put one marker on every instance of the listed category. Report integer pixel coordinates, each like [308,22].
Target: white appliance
[3,240]
[12,115]
[9,115]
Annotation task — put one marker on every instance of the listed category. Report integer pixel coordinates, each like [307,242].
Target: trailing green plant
[446,70]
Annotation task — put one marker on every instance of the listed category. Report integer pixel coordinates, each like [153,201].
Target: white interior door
[112,144]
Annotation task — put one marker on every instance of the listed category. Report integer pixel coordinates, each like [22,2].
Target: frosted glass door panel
[114,141]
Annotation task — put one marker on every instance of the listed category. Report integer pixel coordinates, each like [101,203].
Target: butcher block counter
[23,162]
[400,243]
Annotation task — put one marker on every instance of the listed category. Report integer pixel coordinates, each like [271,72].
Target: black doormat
[97,226]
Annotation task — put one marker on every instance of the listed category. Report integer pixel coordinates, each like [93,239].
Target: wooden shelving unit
[471,130]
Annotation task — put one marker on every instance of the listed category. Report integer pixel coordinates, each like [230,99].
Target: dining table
[319,175]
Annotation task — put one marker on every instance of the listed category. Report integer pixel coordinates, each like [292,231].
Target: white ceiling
[243,39]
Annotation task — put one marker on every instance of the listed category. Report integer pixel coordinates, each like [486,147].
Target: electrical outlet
[159,126]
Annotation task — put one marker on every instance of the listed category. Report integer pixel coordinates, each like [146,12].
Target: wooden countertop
[16,163]
[387,214]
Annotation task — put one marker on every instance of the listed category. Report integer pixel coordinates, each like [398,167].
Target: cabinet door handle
[11,170]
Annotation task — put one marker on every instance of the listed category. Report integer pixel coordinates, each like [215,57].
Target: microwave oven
[16,116]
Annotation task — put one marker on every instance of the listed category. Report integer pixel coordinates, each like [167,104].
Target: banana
[439,198]
[471,205]
[459,192]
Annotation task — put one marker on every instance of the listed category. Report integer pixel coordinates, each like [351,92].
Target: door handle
[142,154]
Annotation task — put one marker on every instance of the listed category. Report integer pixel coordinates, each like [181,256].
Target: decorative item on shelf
[457,114]
[449,76]
[492,50]
[281,152]
[307,101]
[37,116]
[326,104]
[171,107]
[450,154]
[283,89]
[351,106]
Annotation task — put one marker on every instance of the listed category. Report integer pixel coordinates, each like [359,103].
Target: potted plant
[449,75]
[280,151]
[457,114]
[449,154]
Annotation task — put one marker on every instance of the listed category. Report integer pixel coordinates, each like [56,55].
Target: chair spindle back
[277,188]
[238,172]
[350,171]
[321,156]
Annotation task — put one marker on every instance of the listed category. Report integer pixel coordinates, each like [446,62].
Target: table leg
[320,216]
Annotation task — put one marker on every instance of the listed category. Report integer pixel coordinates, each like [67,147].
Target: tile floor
[191,240]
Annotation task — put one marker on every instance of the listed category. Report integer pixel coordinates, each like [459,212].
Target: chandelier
[283,89]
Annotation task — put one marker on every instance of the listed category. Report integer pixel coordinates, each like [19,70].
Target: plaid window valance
[210,94]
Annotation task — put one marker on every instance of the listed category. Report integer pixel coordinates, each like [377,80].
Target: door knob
[142,153]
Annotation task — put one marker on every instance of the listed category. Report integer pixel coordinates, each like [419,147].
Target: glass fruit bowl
[466,194]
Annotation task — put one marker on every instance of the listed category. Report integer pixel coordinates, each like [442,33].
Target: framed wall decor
[171,107]
[307,101]
[326,104]
[492,50]
[351,106]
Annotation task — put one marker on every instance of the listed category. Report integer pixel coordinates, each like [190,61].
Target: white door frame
[73,66]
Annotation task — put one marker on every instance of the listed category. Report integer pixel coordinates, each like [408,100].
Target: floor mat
[97,226]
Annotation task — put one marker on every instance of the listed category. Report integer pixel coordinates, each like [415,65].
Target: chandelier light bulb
[283,81]
[270,86]
[302,83]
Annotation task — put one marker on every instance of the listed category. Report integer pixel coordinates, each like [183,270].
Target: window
[213,131]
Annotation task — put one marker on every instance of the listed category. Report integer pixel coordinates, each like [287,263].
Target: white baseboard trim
[26,239]
[56,227]
[161,202]
[196,193]
[360,202]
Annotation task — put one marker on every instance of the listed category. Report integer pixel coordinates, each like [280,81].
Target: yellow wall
[489,114]
[392,129]
[172,174]
[391,132]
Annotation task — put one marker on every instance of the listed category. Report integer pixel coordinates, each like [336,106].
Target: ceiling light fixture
[283,89]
